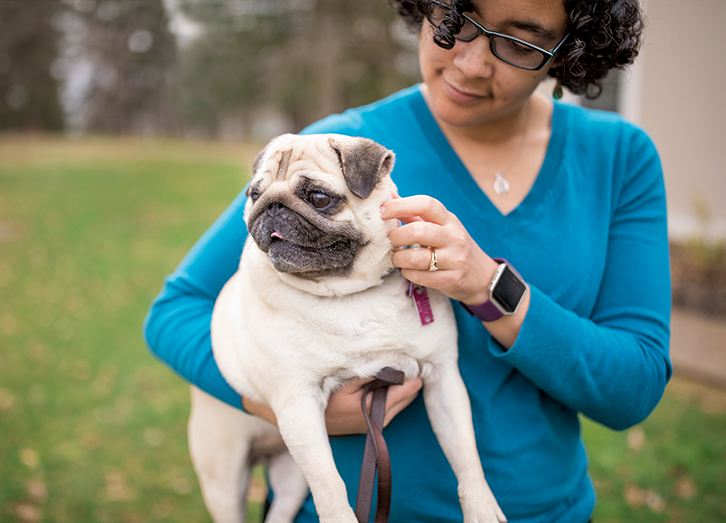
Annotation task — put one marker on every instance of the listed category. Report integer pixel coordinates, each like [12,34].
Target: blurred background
[128,126]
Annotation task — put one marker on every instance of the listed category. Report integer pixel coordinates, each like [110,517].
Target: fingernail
[382,209]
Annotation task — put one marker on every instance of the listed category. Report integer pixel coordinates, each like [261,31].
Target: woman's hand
[465,271]
[343,415]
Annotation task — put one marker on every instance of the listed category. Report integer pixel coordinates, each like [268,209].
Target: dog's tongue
[277,235]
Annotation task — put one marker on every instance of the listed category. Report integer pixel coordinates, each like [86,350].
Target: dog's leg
[449,410]
[220,452]
[290,488]
[301,420]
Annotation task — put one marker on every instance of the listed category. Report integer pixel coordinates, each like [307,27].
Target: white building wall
[677,94]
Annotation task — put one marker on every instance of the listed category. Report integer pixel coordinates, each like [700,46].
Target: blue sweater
[590,239]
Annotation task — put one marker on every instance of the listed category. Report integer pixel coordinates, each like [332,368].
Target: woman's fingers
[414,208]
[400,396]
[419,232]
[344,416]
[419,259]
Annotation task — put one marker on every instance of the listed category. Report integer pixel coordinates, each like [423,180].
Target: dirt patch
[699,276]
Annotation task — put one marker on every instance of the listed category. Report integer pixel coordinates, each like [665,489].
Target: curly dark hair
[604,35]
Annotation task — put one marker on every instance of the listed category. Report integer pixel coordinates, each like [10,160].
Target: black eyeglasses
[511,50]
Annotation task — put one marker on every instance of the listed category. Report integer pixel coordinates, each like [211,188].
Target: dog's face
[314,202]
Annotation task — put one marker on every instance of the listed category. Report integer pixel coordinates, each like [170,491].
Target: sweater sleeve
[612,366]
[177,329]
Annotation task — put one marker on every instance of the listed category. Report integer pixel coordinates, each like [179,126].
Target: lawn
[93,428]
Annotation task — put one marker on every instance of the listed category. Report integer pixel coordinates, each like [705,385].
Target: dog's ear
[363,164]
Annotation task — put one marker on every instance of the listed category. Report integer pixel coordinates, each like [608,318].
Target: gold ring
[434,263]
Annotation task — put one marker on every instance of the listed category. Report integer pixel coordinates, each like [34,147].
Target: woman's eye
[319,200]
[517,48]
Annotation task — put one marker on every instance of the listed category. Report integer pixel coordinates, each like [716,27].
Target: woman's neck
[513,145]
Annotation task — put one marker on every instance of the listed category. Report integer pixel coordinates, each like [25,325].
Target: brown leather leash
[375,455]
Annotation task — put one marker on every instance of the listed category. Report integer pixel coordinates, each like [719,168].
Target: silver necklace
[501,186]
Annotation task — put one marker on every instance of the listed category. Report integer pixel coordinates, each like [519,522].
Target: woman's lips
[461,96]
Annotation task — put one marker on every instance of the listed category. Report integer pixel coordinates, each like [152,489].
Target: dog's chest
[380,323]
[360,325]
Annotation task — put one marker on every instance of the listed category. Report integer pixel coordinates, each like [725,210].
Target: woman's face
[468,86]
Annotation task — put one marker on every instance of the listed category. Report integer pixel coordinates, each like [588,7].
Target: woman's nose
[475,58]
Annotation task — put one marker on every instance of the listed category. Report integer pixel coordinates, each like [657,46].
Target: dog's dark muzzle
[296,245]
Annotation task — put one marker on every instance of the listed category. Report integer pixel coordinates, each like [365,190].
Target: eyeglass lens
[506,49]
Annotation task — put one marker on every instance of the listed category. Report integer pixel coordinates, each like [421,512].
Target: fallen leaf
[90,440]
[29,458]
[633,495]
[38,351]
[27,512]
[9,232]
[686,488]
[9,324]
[116,488]
[154,436]
[636,438]
[636,497]
[37,490]
[656,503]
[182,486]
[7,400]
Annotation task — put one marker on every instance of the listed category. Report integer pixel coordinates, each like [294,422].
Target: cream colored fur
[289,342]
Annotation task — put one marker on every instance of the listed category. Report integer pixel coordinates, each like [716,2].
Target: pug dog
[315,302]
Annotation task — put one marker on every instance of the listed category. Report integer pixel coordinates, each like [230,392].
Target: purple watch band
[486,311]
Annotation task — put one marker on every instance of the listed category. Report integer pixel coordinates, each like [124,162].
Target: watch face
[509,290]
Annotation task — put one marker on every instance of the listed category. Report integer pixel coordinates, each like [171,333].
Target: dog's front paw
[487,514]
[483,509]
[347,517]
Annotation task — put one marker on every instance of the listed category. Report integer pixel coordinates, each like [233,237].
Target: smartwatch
[506,292]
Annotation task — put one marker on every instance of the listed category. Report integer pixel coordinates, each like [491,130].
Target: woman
[488,168]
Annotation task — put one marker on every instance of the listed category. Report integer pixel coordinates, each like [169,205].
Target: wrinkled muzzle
[296,245]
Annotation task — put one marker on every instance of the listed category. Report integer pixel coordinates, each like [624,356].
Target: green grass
[670,468]
[92,428]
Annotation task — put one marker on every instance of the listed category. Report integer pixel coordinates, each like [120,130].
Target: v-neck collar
[539,196]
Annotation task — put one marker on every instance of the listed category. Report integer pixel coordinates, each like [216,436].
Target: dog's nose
[274,209]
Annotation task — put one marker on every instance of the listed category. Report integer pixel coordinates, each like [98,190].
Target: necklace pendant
[501,186]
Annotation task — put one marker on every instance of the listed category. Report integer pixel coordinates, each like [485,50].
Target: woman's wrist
[481,292]
[505,306]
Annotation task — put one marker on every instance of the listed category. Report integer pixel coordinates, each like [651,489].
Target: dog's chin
[336,259]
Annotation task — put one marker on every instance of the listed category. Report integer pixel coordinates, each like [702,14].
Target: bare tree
[303,58]
[119,56]
[28,49]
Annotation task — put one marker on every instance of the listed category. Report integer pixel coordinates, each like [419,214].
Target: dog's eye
[254,196]
[319,200]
